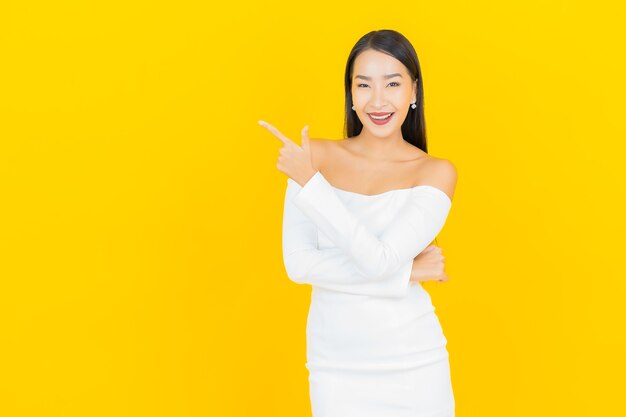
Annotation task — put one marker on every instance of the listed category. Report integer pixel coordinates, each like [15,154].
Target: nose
[379,98]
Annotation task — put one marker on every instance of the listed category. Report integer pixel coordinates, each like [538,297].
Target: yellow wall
[140,261]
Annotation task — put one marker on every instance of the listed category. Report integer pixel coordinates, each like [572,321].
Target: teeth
[381,117]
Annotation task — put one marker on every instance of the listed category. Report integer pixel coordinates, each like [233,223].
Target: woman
[358,219]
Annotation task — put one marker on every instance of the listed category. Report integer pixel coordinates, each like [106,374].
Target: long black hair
[395,44]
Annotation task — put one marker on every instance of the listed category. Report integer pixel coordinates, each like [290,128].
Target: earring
[413,105]
[352,107]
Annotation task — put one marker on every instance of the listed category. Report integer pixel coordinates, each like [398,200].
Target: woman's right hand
[429,265]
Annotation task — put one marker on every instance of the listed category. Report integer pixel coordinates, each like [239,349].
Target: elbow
[294,270]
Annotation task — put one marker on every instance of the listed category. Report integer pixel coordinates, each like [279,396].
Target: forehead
[376,64]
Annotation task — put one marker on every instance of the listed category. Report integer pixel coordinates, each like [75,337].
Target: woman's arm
[330,268]
[415,226]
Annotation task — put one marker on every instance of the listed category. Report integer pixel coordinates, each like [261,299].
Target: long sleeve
[329,268]
[419,221]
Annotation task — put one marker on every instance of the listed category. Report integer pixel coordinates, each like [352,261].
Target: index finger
[277,133]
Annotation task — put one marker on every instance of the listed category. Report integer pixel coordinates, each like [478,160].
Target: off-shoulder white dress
[375,347]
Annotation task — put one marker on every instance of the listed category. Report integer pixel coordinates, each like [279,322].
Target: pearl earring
[352,107]
[413,105]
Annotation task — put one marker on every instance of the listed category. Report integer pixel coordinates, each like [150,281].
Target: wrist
[308,177]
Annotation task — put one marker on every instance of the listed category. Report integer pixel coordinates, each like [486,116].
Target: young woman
[359,216]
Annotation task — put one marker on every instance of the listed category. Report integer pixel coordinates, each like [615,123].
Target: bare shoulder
[441,173]
[320,148]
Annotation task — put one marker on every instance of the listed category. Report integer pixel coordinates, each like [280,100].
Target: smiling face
[381,85]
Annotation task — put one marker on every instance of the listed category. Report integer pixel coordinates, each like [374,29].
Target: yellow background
[141,208]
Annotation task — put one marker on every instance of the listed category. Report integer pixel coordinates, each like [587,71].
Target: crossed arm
[361,263]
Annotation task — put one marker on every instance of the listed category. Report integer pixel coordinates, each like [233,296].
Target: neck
[378,147]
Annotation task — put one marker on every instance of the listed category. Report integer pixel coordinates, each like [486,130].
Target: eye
[393,82]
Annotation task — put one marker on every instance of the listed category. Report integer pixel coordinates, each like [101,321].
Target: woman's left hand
[294,161]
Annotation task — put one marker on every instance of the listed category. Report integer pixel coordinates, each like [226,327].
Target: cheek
[359,95]
[402,95]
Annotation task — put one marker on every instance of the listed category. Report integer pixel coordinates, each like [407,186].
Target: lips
[380,121]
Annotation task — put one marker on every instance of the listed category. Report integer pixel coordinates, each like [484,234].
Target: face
[381,85]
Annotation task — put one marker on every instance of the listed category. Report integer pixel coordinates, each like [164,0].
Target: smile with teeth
[380,117]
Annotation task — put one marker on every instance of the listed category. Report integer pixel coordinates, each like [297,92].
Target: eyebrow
[385,76]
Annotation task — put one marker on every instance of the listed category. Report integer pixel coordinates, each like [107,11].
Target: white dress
[375,347]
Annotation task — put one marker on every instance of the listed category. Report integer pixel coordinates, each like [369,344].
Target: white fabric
[375,347]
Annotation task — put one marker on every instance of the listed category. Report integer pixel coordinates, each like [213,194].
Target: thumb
[305,139]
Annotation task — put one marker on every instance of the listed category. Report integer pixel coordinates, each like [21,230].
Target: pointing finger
[276,133]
